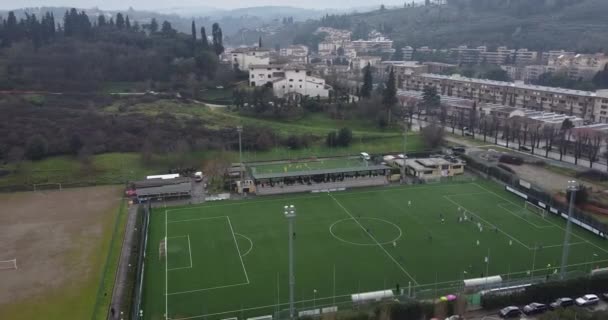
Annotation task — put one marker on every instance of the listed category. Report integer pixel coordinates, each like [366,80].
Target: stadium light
[290,214]
[572,187]
[239,129]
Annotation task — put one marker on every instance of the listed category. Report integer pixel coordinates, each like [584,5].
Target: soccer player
[409,203]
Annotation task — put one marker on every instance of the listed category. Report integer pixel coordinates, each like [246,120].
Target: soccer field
[230,259]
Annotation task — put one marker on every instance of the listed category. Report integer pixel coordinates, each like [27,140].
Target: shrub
[593,175]
[510,159]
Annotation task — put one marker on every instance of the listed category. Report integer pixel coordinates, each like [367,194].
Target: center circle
[383,231]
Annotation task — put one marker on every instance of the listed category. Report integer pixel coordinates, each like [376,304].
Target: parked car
[561,303]
[535,308]
[198,176]
[524,148]
[587,300]
[509,312]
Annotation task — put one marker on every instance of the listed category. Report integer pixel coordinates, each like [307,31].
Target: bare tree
[495,128]
[453,122]
[593,145]
[549,134]
[432,135]
[535,136]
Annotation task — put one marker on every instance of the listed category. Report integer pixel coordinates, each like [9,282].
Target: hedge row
[510,159]
[548,292]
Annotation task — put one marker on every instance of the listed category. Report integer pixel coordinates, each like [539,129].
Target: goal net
[8,264]
[535,209]
[162,249]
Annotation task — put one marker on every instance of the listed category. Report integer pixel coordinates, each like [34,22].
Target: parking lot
[493,315]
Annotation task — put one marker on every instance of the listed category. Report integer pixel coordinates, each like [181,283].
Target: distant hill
[580,25]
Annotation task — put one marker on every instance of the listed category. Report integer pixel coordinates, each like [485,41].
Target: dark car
[524,148]
[535,308]
[561,303]
[509,312]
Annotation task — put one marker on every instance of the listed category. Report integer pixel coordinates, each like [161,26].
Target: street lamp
[290,214]
[314,298]
[239,129]
[405,127]
[573,187]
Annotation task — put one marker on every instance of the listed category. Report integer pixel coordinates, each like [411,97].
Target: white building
[242,58]
[379,44]
[408,53]
[288,80]
[361,62]
[295,51]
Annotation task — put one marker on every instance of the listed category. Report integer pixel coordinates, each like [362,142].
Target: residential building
[516,94]
[501,56]
[525,57]
[288,80]
[432,168]
[407,52]
[361,62]
[294,50]
[400,68]
[379,44]
[468,55]
[242,58]
[579,66]
[601,106]
[439,67]
[552,54]
[514,72]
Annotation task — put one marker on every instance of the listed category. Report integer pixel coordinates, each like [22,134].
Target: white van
[365,156]
[198,176]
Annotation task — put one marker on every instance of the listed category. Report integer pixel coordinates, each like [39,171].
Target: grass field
[230,259]
[308,165]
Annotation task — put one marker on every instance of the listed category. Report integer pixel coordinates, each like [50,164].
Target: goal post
[535,209]
[8,264]
[162,249]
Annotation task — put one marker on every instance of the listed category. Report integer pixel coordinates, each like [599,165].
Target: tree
[600,80]
[260,42]
[332,139]
[120,21]
[432,135]
[128,23]
[366,88]
[193,34]
[565,131]
[36,147]
[389,95]
[497,74]
[153,26]
[581,196]
[345,137]
[167,29]
[204,40]
[430,99]
[218,39]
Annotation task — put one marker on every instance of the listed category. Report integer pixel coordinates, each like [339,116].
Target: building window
[300,86]
[290,80]
[252,76]
[269,76]
[291,85]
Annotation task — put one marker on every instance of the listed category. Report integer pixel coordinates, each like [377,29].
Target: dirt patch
[53,235]
[538,176]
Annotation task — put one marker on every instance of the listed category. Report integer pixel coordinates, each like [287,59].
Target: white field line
[486,222]
[553,223]
[375,240]
[250,242]
[196,219]
[166,269]
[238,250]
[207,289]
[190,251]
[561,245]
[501,205]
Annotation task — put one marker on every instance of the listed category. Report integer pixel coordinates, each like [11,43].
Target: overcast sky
[224,4]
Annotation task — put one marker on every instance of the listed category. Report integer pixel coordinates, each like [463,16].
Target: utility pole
[239,129]
[405,127]
[290,214]
[573,188]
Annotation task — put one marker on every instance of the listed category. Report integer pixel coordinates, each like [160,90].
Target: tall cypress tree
[389,95]
[260,42]
[366,88]
[120,21]
[218,41]
[204,39]
[127,23]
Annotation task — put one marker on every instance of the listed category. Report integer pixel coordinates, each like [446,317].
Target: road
[493,315]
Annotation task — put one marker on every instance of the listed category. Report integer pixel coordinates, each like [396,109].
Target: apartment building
[361,62]
[288,80]
[242,58]
[468,55]
[408,53]
[552,54]
[525,57]
[379,44]
[516,94]
[501,56]
[294,50]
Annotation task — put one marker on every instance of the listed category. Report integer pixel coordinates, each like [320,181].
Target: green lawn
[230,259]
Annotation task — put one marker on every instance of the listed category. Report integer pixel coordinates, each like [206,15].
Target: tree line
[81,53]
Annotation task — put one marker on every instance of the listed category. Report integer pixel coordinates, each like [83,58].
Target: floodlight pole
[573,188]
[404,149]
[290,214]
[239,129]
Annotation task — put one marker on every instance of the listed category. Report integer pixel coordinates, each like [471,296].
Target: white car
[587,300]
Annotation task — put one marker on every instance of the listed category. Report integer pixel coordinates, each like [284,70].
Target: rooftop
[457,77]
[316,172]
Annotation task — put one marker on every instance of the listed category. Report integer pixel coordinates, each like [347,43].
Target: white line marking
[166,269]
[196,219]
[238,250]
[589,242]
[250,242]
[190,251]
[501,205]
[561,245]
[486,222]
[373,238]
[207,289]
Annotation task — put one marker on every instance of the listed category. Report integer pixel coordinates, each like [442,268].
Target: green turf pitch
[229,259]
[308,165]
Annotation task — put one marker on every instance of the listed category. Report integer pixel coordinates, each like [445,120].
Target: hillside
[569,24]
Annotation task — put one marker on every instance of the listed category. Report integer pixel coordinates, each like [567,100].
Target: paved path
[121,282]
